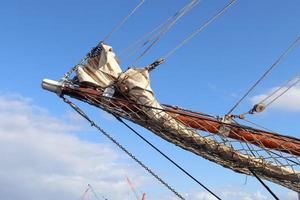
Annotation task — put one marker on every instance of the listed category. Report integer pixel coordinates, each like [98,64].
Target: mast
[242,133]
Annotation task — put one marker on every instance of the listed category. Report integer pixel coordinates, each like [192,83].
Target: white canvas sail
[101,69]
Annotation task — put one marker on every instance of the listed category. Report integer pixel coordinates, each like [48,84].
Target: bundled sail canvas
[101,69]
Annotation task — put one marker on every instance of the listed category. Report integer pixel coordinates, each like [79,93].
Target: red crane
[134,190]
[85,194]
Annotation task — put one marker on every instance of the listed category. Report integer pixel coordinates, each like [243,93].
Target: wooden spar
[242,133]
[254,136]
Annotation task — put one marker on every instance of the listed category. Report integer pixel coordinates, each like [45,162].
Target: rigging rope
[165,106]
[141,42]
[296,81]
[93,124]
[267,129]
[259,126]
[169,24]
[262,105]
[201,28]
[265,186]
[284,54]
[261,181]
[209,117]
[167,157]
[124,20]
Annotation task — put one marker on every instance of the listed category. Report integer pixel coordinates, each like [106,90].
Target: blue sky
[43,39]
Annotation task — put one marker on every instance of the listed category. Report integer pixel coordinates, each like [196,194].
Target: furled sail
[102,67]
[225,143]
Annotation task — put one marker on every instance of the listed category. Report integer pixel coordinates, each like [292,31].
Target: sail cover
[102,67]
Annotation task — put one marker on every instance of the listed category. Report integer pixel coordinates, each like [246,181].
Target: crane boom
[132,188]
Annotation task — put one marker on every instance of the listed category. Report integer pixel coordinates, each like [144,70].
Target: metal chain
[93,124]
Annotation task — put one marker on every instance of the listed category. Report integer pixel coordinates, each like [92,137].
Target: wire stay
[124,20]
[278,60]
[200,29]
[167,26]
[265,186]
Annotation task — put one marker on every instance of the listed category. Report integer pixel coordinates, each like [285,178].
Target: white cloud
[231,194]
[237,193]
[40,160]
[290,101]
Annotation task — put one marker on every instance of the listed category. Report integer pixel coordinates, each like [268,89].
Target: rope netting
[240,156]
[241,148]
